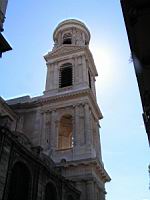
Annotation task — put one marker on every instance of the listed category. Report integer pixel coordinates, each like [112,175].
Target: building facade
[64,122]
[25,171]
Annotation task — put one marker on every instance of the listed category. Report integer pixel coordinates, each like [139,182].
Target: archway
[19,182]
[70,197]
[50,192]
[65,137]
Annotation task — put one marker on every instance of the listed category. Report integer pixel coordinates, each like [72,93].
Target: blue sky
[29,27]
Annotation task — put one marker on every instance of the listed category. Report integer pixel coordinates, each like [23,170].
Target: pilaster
[53,141]
[47,87]
[44,130]
[88,134]
[85,73]
[77,122]
[98,142]
[56,76]
[90,190]
[102,194]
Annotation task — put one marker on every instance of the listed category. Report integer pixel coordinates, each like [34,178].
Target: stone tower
[73,141]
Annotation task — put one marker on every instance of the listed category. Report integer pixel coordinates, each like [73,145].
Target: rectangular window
[65,78]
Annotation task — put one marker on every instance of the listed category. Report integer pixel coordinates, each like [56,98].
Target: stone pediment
[63,50]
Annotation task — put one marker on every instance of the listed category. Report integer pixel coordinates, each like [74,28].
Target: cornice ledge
[63,96]
[90,57]
[86,162]
[7,107]
[63,50]
[102,171]
[95,105]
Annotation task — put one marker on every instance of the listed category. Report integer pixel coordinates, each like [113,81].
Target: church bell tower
[74,139]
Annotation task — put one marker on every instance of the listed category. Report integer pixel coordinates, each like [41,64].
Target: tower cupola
[71,32]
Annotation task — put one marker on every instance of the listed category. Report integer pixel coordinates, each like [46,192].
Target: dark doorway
[50,192]
[19,182]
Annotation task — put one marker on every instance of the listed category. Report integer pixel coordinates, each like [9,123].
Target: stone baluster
[52,76]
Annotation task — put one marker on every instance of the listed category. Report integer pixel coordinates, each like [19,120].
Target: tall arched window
[19,182]
[67,38]
[50,192]
[65,75]
[65,137]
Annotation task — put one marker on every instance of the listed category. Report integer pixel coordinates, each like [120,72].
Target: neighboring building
[62,125]
[4,46]
[26,173]
[137,19]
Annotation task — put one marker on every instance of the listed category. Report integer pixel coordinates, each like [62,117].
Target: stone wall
[41,170]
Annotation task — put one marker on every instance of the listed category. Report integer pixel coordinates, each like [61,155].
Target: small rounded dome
[72,32]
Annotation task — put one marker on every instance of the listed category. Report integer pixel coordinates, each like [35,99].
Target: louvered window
[65,76]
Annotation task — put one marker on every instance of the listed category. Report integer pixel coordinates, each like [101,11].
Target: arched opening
[67,38]
[65,137]
[19,182]
[65,75]
[70,197]
[50,192]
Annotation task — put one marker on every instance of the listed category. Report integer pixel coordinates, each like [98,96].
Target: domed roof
[69,23]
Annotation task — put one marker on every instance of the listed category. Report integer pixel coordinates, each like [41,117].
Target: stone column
[81,187]
[53,137]
[56,76]
[90,190]
[88,133]
[98,142]
[47,87]
[73,36]
[20,121]
[93,85]
[59,39]
[76,78]
[48,127]
[43,133]
[77,129]
[85,75]
[102,194]
[45,130]
[37,128]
